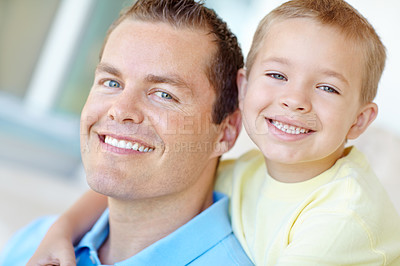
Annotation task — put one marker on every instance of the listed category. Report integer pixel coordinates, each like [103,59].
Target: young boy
[312,74]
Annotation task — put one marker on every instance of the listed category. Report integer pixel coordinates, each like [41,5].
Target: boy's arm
[57,246]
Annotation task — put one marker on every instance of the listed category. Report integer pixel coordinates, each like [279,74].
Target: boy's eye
[163,95]
[328,89]
[112,84]
[276,76]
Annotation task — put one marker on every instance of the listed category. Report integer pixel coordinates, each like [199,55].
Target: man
[162,110]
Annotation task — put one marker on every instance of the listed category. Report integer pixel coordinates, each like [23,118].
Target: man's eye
[276,76]
[163,95]
[112,84]
[328,89]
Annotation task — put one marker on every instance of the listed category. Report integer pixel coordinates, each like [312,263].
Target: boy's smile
[302,97]
[288,128]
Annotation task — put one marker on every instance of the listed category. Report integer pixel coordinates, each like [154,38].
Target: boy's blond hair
[338,14]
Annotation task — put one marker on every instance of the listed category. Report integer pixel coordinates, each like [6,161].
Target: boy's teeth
[129,145]
[289,128]
[123,144]
[135,147]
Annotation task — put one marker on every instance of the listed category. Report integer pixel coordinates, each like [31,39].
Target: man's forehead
[161,52]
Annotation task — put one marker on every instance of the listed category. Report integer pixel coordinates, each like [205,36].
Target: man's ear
[230,129]
[365,117]
[241,81]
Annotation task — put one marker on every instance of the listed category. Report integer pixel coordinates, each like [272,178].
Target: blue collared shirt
[207,239]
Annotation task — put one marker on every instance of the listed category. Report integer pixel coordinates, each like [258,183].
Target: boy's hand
[56,247]
[60,252]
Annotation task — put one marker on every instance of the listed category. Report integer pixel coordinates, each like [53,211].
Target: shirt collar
[178,248]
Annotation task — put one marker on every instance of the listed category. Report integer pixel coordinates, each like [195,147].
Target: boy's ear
[230,129]
[365,117]
[241,81]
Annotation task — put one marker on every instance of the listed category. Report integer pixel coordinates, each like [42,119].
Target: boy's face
[302,98]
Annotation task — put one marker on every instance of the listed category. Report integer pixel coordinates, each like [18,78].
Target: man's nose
[126,108]
[296,100]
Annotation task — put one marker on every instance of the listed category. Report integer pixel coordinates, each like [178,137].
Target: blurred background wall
[48,53]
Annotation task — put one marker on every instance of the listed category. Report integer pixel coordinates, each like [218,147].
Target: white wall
[384,15]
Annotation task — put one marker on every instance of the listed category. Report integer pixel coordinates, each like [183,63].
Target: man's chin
[111,188]
[101,185]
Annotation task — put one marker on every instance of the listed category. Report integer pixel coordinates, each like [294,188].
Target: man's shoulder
[219,244]
[23,244]
[227,252]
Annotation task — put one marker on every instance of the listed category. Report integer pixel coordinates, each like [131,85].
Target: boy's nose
[126,108]
[296,101]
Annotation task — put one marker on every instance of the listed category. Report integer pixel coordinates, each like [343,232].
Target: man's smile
[125,144]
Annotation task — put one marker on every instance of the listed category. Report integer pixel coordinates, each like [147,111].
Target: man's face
[146,127]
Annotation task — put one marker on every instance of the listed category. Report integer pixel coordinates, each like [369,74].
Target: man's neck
[135,225]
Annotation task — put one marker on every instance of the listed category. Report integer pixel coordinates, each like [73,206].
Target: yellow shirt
[340,217]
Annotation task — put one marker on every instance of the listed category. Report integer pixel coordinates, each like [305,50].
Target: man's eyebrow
[104,67]
[173,80]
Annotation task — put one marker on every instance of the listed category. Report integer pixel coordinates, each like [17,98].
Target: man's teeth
[288,128]
[123,144]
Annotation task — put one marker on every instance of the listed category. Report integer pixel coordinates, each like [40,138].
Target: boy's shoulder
[250,158]
[354,184]
[353,172]
[248,163]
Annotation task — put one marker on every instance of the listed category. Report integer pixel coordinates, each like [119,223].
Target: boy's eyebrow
[280,60]
[327,72]
[335,74]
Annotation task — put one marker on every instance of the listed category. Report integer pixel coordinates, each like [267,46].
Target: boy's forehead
[298,27]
